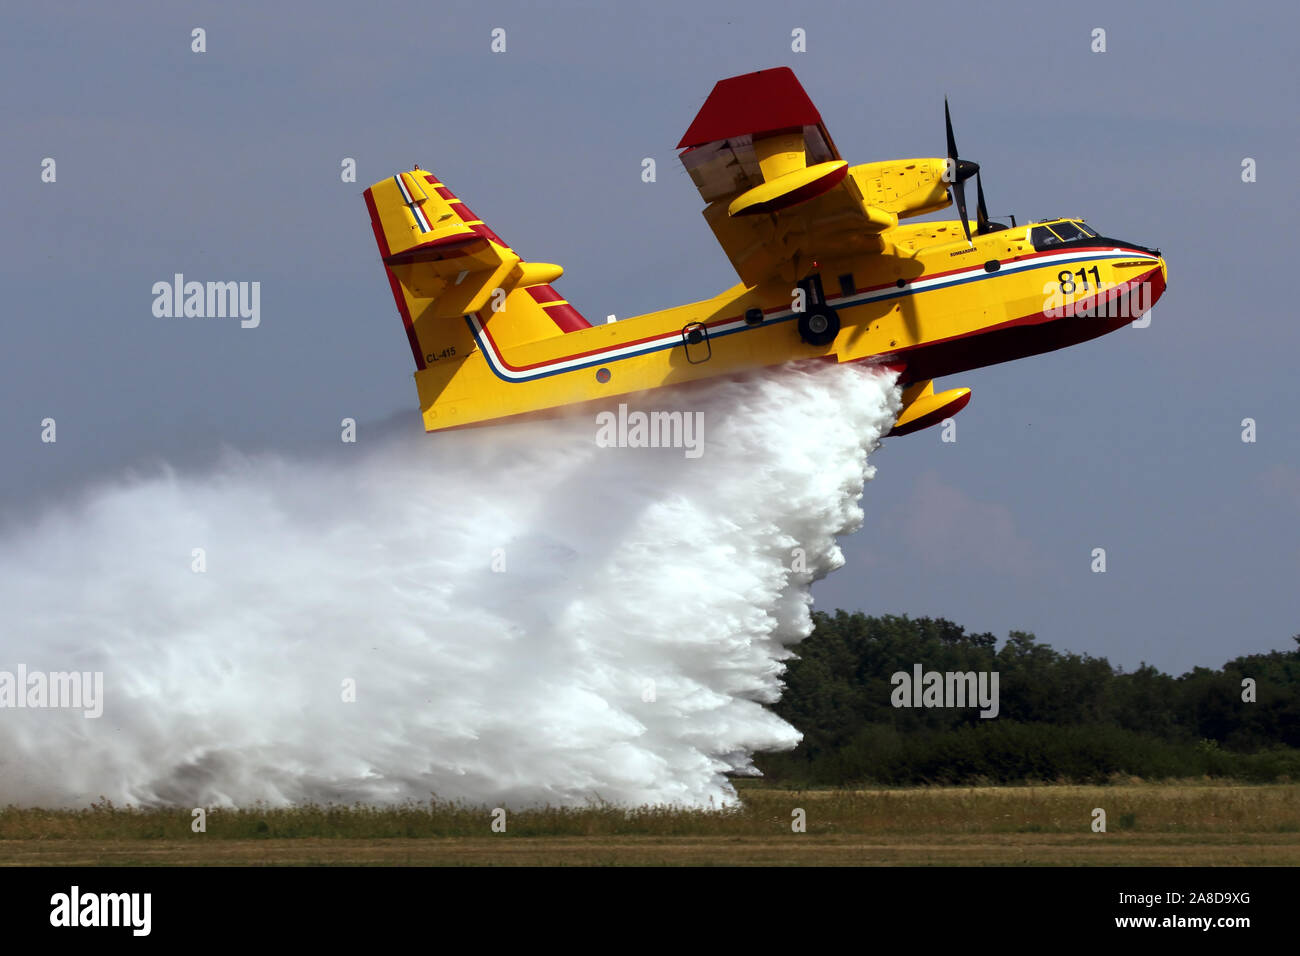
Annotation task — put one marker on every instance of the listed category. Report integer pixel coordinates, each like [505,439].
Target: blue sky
[225,165]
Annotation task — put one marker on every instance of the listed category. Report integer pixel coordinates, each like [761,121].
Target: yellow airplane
[826,272]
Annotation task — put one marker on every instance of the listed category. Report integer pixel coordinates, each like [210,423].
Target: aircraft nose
[1164,270]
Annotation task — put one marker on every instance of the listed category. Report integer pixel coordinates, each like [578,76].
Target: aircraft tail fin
[444,263]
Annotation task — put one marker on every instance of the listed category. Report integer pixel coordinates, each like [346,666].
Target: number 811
[1066,279]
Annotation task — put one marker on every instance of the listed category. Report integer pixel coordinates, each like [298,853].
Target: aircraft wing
[779,195]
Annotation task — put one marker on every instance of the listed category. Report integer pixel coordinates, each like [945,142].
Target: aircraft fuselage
[929,304]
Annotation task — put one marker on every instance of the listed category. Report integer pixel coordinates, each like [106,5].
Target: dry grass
[1015,849]
[1192,822]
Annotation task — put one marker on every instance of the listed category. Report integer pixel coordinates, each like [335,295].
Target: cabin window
[846,284]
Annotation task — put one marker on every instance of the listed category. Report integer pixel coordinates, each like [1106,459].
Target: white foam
[623,566]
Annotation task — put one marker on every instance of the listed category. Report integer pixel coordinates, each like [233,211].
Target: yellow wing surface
[779,195]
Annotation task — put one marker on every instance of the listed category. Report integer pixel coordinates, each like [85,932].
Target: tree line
[1060,716]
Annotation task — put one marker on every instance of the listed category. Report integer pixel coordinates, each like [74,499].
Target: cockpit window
[1068,230]
[1041,237]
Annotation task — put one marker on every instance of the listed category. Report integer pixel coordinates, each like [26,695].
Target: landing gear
[818,323]
[820,326]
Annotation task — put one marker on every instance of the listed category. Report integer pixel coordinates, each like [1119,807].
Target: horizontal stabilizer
[439,252]
[445,263]
[410,215]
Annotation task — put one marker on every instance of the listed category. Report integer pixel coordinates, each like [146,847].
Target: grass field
[1188,823]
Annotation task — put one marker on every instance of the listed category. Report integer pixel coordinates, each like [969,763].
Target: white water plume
[640,608]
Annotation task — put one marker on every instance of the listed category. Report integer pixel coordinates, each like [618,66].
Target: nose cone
[1152,289]
[1158,285]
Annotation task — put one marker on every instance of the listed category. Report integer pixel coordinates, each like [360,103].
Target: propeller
[964,169]
[981,211]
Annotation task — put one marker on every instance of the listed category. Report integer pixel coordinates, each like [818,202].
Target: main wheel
[819,326]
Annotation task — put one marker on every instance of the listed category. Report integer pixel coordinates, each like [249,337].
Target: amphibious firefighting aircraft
[826,272]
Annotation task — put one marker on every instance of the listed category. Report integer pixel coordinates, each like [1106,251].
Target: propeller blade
[962,170]
[952,140]
[981,211]
[959,193]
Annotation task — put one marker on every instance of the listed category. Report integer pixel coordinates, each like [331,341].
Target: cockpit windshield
[1067,230]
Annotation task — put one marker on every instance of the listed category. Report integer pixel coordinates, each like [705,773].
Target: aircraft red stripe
[374,224]
[567,318]
[406,317]
[892,365]
[968,345]
[544,293]
[1032,318]
[570,356]
[393,284]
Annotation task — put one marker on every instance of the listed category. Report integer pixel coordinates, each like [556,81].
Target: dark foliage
[1062,716]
